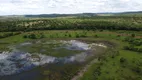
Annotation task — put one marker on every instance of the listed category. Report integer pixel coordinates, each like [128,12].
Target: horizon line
[73,13]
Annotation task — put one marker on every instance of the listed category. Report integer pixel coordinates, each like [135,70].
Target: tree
[42,35]
[32,36]
[25,36]
[122,60]
[132,35]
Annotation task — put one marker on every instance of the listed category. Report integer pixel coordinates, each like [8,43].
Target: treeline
[34,35]
[8,34]
[40,35]
[107,23]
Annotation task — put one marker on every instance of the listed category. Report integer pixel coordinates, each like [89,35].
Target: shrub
[118,35]
[101,30]
[137,70]
[140,50]
[25,36]
[42,36]
[70,35]
[96,36]
[77,35]
[32,36]
[132,35]
[122,60]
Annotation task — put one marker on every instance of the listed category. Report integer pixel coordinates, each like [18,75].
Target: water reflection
[17,61]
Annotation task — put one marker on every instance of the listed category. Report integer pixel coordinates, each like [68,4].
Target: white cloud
[10,7]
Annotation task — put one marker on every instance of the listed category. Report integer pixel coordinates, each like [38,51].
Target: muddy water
[20,60]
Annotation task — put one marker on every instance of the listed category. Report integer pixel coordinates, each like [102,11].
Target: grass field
[111,68]
[115,64]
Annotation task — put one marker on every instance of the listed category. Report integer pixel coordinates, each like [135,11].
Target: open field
[82,48]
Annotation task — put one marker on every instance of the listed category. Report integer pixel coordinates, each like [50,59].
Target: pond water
[28,55]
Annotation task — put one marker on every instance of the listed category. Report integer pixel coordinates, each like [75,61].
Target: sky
[20,7]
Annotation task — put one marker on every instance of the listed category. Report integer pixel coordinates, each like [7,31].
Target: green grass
[112,69]
[109,67]
[62,34]
[5,42]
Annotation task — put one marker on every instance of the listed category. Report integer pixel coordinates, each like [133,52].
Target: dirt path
[81,72]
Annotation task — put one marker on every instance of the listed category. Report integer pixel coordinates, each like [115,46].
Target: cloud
[10,7]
